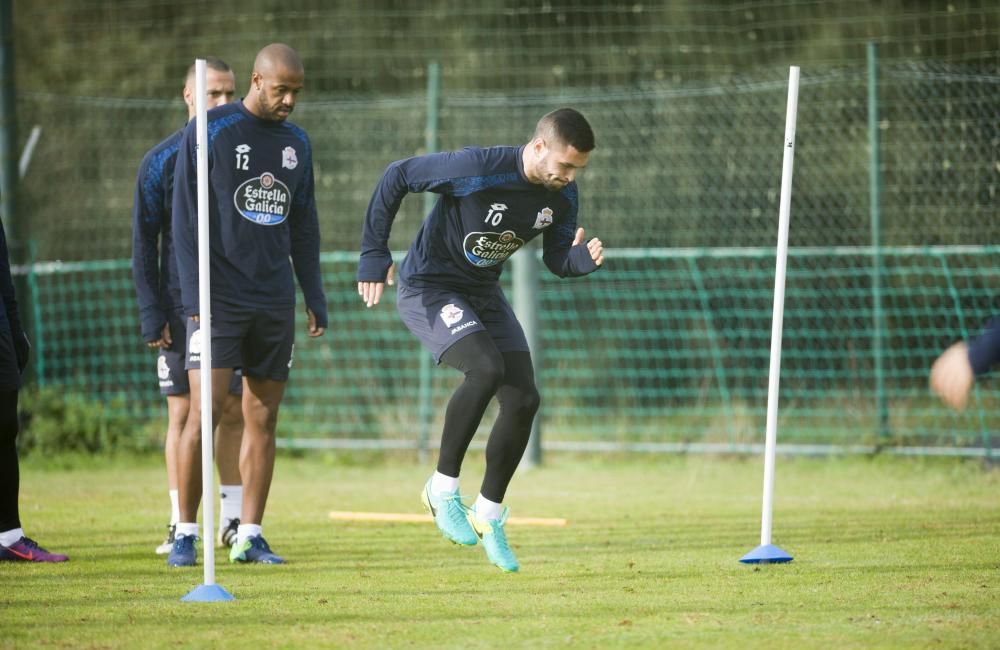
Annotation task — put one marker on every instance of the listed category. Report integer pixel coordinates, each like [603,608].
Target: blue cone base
[207,594]
[766,554]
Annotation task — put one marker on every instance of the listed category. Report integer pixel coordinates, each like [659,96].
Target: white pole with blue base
[209,591]
[767,552]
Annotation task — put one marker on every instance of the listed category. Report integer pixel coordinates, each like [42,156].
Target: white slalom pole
[209,591]
[778,314]
[205,316]
[766,552]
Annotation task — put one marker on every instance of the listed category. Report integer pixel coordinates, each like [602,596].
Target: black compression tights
[9,476]
[489,372]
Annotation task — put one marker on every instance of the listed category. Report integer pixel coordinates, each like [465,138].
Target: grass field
[888,553]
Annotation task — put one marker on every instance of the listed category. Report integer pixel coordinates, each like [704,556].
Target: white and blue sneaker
[184,551]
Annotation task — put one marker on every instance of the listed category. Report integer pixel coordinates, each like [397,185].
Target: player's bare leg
[228,439]
[261,399]
[189,477]
[177,411]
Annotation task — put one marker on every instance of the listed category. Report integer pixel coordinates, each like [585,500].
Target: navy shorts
[258,341]
[170,370]
[442,317]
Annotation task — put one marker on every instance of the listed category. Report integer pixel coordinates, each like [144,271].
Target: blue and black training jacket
[487,210]
[154,267]
[262,211]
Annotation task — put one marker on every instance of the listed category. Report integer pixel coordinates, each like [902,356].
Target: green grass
[888,553]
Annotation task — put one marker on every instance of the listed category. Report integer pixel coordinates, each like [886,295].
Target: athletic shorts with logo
[441,317]
[170,372]
[259,341]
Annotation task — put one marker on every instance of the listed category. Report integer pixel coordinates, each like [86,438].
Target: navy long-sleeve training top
[487,210]
[984,350]
[154,267]
[262,209]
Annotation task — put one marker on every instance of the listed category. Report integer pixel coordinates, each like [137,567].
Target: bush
[56,421]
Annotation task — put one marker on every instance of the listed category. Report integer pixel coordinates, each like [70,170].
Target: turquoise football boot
[494,539]
[449,515]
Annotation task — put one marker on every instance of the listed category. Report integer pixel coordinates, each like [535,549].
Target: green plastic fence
[661,346]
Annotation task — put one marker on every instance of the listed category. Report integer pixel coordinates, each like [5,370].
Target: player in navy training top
[958,367]
[492,202]
[261,211]
[154,272]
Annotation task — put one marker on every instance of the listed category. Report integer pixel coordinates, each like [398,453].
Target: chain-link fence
[696,165]
[669,343]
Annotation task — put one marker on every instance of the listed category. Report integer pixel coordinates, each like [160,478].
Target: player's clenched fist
[595,247]
[952,376]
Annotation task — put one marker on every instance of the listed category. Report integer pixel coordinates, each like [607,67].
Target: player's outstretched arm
[952,376]
[440,173]
[955,371]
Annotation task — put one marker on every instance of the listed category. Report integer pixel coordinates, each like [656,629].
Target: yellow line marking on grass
[405,517]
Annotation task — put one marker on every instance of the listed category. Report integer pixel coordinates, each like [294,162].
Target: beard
[273,110]
[554,184]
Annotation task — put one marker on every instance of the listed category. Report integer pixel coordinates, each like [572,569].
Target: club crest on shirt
[264,200]
[451,314]
[490,248]
[543,219]
[288,158]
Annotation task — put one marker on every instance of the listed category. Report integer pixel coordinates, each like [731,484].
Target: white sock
[8,537]
[246,531]
[486,509]
[186,529]
[231,503]
[441,483]
[175,507]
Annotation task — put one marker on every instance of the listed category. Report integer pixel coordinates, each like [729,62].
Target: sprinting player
[15,546]
[956,370]
[492,202]
[163,328]
[261,211]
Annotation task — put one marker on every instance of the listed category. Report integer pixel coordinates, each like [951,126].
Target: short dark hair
[568,126]
[212,62]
